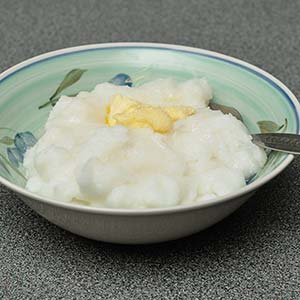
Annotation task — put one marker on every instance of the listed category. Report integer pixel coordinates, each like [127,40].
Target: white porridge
[156,145]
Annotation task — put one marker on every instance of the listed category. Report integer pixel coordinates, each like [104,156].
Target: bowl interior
[24,88]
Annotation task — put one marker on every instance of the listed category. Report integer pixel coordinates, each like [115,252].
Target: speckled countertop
[253,254]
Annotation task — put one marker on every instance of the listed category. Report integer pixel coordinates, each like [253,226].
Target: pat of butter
[129,112]
[179,112]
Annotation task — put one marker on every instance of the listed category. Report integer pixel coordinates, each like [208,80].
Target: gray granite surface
[253,254]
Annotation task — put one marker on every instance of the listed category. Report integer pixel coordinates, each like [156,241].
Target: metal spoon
[282,142]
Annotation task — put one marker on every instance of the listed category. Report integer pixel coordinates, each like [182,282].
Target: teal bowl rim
[291,99]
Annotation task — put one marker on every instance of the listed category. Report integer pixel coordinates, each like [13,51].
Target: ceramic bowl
[257,95]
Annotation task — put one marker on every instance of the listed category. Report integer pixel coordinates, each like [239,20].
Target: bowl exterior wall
[135,229]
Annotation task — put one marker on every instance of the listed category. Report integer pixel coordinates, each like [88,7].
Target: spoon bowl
[282,142]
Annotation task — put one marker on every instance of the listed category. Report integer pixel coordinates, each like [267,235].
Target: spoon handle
[283,142]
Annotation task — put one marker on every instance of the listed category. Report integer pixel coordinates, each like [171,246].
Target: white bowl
[148,225]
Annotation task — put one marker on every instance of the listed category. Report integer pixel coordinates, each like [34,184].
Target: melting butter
[132,113]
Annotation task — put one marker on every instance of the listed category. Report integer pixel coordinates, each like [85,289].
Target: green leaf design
[50,102]
[7,163]
[6,128]
[6,140]
[273,156]
[72,77]
[54,101]
[3,165]
[283,126]
[226,110]
[270,126]
[267,126]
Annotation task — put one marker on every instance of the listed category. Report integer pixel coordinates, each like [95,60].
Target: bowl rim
[165,210]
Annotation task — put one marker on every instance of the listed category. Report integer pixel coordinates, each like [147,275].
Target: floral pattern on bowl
[18,145]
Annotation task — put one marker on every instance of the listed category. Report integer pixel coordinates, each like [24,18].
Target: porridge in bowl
[152,146]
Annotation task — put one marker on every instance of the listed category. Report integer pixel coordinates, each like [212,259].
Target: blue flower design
[121,79]
[15,156]
[22,141]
